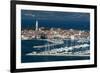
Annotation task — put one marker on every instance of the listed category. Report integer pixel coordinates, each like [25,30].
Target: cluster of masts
[47,46]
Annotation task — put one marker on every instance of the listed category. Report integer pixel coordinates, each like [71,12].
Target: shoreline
[55,55]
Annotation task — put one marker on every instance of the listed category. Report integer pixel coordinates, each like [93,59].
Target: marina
[63,51]
[53,43]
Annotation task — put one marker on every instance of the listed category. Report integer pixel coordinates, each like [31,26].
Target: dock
[55,42]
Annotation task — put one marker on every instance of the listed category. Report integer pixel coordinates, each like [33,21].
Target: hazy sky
[55,19]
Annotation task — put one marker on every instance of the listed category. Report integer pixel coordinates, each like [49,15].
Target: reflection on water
[27,47]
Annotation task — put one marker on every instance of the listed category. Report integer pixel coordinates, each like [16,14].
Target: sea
[49,19]
[27,47]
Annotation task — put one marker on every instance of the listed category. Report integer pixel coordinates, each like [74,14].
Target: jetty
[53,41]
[63,51]
[58,54]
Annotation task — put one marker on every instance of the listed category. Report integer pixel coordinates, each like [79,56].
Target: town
[53,33]
[57,36]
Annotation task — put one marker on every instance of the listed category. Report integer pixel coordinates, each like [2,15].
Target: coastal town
[57,36]
[53,33]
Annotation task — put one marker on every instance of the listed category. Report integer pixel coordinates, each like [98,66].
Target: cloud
[53,15]
[32,15]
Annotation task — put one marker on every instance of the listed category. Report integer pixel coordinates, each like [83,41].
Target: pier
[54,41]
[62,51]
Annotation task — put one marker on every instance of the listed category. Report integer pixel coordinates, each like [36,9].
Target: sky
[55,19]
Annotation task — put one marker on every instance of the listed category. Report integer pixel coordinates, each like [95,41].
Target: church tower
[36,30]
[36,27]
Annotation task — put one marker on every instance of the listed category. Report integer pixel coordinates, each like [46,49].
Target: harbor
[71,42]
[54,41]
[63,51]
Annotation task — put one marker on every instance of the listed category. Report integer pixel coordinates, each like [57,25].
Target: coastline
[55,54]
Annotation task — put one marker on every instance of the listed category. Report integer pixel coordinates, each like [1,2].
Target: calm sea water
[49,19]
[27,47]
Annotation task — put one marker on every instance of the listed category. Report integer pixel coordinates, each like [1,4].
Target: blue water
[26,59]
[52,19]
[27,47]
